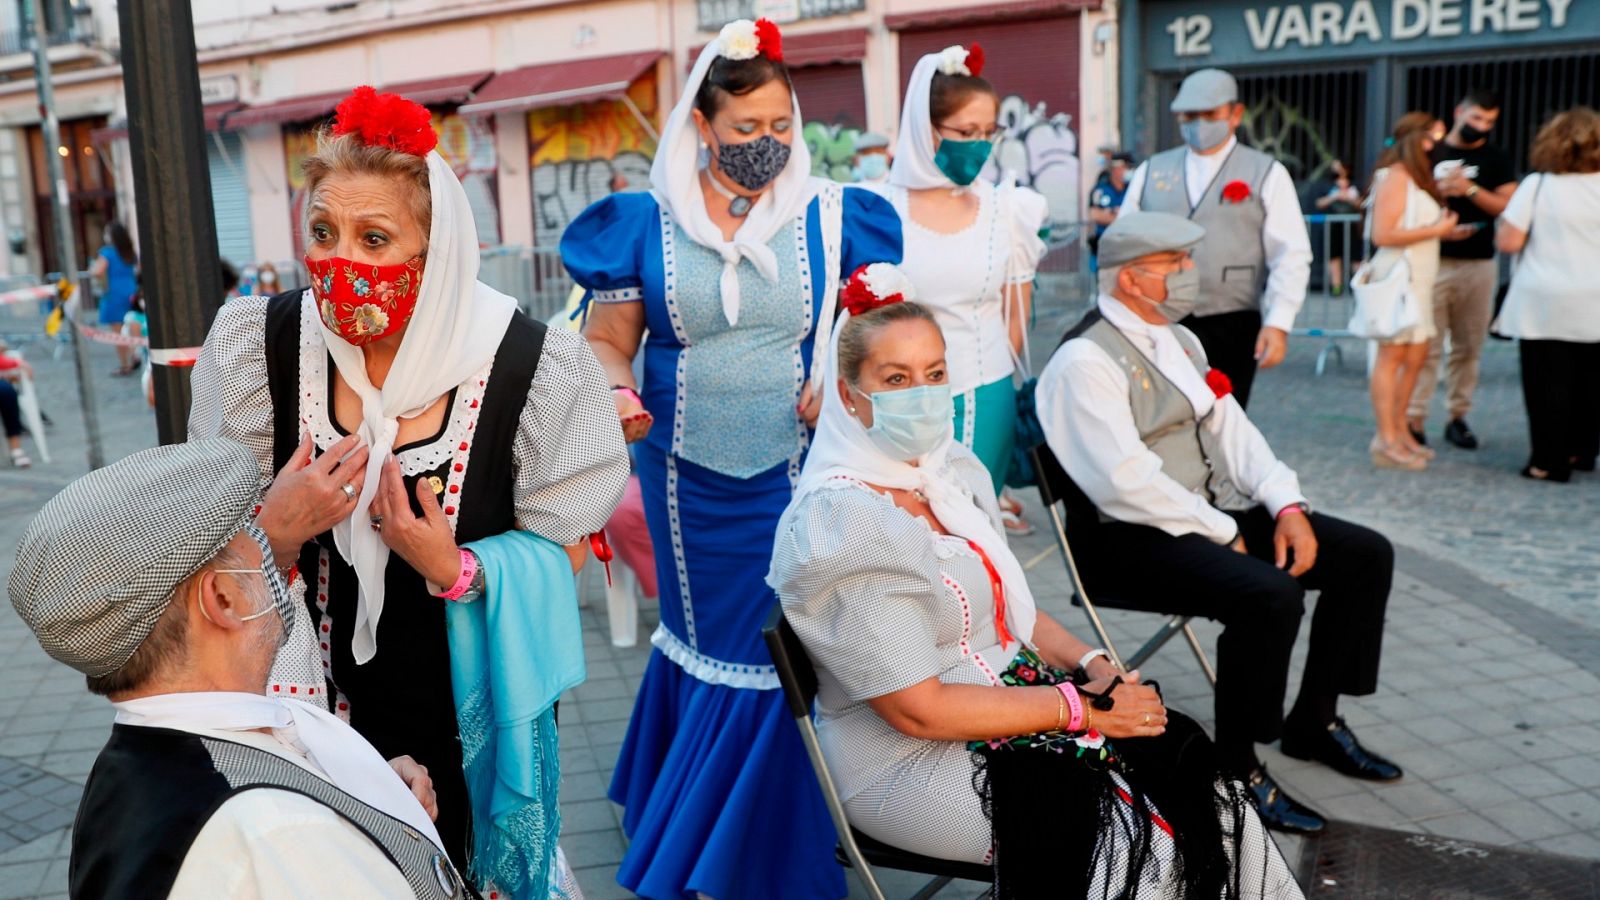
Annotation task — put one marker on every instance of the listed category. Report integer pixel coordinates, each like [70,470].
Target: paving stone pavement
[1490,689]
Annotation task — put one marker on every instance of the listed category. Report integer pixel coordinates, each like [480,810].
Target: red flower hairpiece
[975,59]
[1219,382]
[769,41]
[872,286]
[386,120]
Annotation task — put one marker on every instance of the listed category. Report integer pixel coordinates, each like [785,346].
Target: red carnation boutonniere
[1235,192]
[1219,382]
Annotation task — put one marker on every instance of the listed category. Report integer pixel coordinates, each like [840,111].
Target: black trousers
[10,410]
[1230,343]
[1561,387]
[1259,605]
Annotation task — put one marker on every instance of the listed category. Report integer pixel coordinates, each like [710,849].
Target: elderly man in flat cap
[1180,507]
[1255,260]
[149,577]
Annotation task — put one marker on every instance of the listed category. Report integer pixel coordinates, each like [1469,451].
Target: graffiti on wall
[1040,150]
[833,150]
[583,152]
[1289,135]
[467,144]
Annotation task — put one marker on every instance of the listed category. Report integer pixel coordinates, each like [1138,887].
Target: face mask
[269,277]
[1470,135]
[873,167]
[361,302]
[961,161]
[1183,291]
[1203,134]
[753,164]
[910,423]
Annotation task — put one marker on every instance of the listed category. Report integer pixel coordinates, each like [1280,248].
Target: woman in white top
[1553,223]
[1407,224]
[971,247]
[954,715]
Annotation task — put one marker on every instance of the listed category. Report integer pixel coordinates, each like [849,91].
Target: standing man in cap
[872,158]
[1255,260]
[1180,507]
[150,578]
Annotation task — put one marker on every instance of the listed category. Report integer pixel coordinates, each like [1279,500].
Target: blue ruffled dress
[719,795]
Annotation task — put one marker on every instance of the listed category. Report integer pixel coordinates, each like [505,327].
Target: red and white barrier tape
[160,356]
[23,295]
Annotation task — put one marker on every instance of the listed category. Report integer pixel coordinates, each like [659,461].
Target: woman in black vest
[406,408]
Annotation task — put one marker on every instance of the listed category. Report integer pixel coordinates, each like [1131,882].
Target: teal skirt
[986,422]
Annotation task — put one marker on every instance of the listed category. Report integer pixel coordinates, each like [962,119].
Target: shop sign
[714,14]
[219,89]
[1190,35]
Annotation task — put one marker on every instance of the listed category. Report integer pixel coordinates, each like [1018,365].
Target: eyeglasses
[271,605]
[973,134]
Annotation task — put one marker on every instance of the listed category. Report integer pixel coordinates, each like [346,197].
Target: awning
[992,12]
[816,48]
[562,83]
[214,114]
[450,89]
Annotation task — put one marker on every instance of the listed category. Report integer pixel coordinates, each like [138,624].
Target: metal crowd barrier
[1337,248]
[533,275]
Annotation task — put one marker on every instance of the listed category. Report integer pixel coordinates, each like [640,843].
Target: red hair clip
[872,286]
[386,120]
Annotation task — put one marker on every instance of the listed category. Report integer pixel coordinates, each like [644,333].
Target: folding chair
[855,850]
[1054,488]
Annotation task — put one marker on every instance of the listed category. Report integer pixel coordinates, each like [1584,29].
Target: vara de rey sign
[1191,34]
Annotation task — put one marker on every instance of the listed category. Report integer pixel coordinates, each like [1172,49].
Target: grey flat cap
[1137,234]
[1205,89]
[97,566]
[871,140]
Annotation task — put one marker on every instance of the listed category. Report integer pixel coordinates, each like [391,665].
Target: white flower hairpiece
[739,40]
[953,61]
[885,280]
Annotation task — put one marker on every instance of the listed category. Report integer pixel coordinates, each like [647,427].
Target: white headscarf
[675,176]
[456,328]
[842,447]
[913,166]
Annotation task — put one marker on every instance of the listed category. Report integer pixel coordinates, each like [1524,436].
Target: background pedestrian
[118,264]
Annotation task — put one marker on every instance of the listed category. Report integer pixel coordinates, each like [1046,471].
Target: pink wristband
[1069,692]
[469,568]
[1291,508]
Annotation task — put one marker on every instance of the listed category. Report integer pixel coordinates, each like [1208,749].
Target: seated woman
[957,719]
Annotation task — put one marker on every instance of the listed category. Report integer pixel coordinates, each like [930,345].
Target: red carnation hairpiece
[386,120]
[857,298]
[769,41]
[975,60]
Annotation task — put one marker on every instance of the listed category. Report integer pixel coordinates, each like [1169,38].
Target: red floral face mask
[362,302]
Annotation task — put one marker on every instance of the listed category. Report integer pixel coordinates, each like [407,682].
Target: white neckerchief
[1165,350]
[675,178]
[913,167]
[841,447]
[351,764]
[454,332]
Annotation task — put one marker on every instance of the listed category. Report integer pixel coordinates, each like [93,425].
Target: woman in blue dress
[726,272]
[118,264]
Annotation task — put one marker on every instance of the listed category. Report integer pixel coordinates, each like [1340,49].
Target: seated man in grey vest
[149,577]
[1177,505]
[1255,260]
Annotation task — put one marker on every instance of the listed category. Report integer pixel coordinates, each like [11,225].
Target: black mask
[1470,135]
[753,164]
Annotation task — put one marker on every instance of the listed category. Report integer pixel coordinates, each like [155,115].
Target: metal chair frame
[855,850]
[1049,473]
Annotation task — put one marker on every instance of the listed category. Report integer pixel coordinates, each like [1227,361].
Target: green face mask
[961,161]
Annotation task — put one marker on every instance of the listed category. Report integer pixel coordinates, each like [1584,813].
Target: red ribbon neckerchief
[998,587]
[602,552]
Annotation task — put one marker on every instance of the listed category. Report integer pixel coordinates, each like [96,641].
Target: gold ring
[1147,718]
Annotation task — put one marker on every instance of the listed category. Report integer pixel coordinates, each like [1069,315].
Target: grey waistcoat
[1190,454]
[1231,259]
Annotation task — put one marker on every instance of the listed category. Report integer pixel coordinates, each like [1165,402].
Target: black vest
[152,790]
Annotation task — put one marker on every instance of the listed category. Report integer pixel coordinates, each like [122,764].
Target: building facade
[542,107]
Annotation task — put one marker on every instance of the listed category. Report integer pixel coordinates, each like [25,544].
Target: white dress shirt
[265,843]
[1088,422]
[1284,236]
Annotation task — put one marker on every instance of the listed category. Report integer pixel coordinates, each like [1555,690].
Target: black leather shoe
[1278,810]
[1418,435]
[1336,747]
[1459,434]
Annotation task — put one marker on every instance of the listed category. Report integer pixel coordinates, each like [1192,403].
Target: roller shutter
[832,94]
[230,198]
[1034,59]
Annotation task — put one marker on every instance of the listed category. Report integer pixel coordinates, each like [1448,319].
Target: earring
[852,410]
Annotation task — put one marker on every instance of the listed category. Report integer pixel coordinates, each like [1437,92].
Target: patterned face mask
[753,164]
[362,302]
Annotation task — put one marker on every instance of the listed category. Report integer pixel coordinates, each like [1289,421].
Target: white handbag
[1385,304]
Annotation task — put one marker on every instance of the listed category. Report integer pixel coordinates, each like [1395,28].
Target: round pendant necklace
[738,205]
[921,497]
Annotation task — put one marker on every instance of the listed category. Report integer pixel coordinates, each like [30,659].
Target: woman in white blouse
[971,247]
[1407,224]
[1553,225]
[954,715]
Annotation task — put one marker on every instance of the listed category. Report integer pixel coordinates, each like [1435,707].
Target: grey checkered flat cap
[97,566]
[1205,90]
[1138,234]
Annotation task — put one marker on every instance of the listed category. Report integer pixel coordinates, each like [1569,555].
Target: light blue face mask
[909,423]
[872,167]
